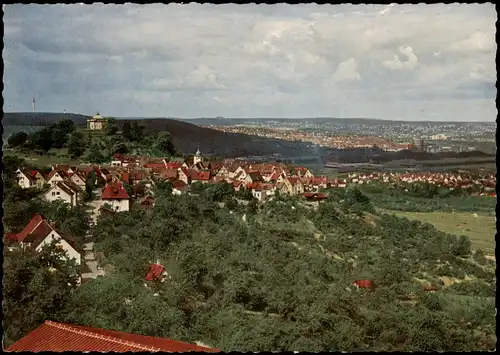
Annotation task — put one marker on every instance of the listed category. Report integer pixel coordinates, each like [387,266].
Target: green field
[481,229]
[54,157]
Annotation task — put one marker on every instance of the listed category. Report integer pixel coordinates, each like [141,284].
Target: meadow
[480,228]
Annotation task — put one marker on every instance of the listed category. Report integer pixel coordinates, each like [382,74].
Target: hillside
[187,138]
[40,118]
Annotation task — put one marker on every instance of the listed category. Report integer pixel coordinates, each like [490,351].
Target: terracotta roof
[275,176]
[28,174]
[364,284]
[174,165]
[30,227]
[169,174]
[154,165]
[114,191]
[315,195]
[200,175]
[59,337]
[155,272]
[255,176]
[37,230]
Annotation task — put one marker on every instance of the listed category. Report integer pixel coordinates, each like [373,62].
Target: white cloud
[410,59]
[347,71]
[249,60]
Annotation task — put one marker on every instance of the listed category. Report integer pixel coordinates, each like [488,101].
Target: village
[264,181]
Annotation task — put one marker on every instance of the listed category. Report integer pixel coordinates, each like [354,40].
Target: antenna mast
[33,106]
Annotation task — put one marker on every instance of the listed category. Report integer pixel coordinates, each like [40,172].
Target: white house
[63,243]
[116,196]
[258,194]
[39,232]
[78,179]
[25,179]
[56,176]
[63,191]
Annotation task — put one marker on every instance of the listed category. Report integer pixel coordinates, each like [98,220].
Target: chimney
[158,261]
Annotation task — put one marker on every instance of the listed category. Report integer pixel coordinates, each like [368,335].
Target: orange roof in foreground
[58,337]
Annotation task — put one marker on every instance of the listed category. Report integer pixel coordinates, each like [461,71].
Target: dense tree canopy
[276,276]
[17,139]
[76,145]
[36,286]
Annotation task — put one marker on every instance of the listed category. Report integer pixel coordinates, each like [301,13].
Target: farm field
[481,229]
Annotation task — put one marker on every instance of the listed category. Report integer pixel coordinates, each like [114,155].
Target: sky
[401,62]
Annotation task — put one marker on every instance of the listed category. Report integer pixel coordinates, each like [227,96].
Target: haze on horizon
[395,62]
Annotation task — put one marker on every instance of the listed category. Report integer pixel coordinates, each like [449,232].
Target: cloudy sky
[411,62]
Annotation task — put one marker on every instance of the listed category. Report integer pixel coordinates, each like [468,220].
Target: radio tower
[33,106]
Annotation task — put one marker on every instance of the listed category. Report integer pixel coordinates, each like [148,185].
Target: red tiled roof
[30,227]
[154,165]
[155,272]
[59,337]
[174,165]
[200,175]
[114,191]
[315,195]
[364,284]
[275,176]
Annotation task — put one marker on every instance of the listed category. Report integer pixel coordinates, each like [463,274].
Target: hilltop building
[96,123]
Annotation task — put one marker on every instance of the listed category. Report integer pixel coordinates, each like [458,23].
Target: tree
[32,291]
[129,189]
[137,131]
[43,139]
[196,187]
[118,147]
[127,131]
[65,125]
[76,145]
[462,246]
[17,139]
[244,193]
[90,185]
[59,138]
[164,143]
[111,126]
[95,154]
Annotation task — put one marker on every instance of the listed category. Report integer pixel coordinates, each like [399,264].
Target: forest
[257,277]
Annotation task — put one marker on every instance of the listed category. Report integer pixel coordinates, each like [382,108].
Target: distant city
[432,137]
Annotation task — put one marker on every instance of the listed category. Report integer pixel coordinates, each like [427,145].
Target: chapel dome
[97,116]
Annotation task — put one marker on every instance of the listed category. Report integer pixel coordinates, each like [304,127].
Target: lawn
[481,229]
[46,160]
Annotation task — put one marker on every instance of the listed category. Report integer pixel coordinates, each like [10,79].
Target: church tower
[197,158]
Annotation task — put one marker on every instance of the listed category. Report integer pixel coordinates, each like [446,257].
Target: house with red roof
[253,177]
[116,197]
[56,176]
[169,174]
[315,196]
[184,175]
[39,232]
[302,172]
[65,191]
[366,284]
[200,176]
[156,273]
[25,178]
[78,178]
[60,337]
